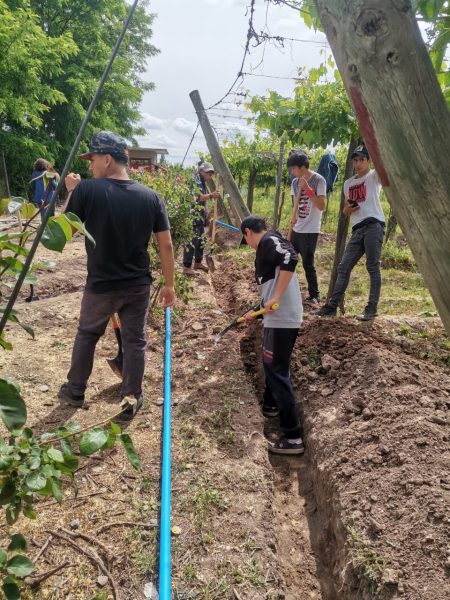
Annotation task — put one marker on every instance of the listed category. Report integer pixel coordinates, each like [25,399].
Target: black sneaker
[314,301]
[270,411]
[284,446]
[326,311]
[130,406]
[65,393]
[367,316]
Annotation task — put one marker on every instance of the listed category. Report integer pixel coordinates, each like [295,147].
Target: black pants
[366,240]
[277,349]
[96,309]
[194,250]
[305,244]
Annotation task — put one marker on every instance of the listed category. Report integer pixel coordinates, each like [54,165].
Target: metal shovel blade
[116,364]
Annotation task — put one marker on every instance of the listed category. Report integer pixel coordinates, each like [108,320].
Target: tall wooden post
[404,120]
[220,165]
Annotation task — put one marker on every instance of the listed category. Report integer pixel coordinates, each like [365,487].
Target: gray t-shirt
[309,216]
[275,254]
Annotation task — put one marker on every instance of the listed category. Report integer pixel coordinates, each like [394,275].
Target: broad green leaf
[11,589]
[13,317]
[14,248]
[13,265]
[71,462]
[20,566]
[12,511]
[17,543]
[7,491]
[3,557]
[13,411]
[5,344]
[65,226]
[56,489]
[36,481]
[75,221]
[28,512]
[4,204]
[55,455]
[6,461]
[28,210]
[93,440]
[53,237]
[130,451]
[115,428]
[66,447]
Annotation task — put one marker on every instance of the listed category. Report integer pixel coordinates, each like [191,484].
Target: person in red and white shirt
[362,205]
[309,191]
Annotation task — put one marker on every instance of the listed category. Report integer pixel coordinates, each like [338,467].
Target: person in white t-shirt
[362,204]
[309,190]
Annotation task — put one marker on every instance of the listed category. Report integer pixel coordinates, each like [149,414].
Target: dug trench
[362,515]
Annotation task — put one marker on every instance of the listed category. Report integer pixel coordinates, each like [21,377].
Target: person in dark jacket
[194,250]
[44,180]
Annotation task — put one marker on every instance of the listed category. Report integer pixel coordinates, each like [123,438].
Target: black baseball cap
[254,223]
[361,151]
[106,142]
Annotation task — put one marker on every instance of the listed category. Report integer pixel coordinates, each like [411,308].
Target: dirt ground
[364,514]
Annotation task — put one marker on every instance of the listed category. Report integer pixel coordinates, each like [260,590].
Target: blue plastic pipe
[164,531]
[228,226]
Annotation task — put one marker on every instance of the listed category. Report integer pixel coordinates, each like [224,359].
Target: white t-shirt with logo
[366,192]
[309,216]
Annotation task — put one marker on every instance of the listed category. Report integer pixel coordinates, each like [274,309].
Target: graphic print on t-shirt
[357,193]
[304,205]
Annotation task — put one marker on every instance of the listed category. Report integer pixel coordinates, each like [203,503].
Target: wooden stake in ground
[405,122]
[218,160]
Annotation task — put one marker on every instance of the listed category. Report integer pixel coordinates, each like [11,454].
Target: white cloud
[162,140]
[226,3]
[151,122]
[183,125]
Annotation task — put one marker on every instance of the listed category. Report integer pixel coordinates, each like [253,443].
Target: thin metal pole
[164,533]
[65,171]
[228,226]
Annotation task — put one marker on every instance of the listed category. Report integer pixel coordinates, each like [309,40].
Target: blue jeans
[367,240]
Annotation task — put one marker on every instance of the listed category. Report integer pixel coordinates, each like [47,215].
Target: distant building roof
[138,152]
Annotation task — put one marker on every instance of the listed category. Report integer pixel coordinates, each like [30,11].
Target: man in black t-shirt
[121,215]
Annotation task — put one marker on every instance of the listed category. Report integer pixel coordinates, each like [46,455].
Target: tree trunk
[220,165]
[251,188]
[278,184]
[404,120]
[342,228]
[391,225]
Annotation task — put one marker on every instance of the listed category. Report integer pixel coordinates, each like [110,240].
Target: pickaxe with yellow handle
[242,318]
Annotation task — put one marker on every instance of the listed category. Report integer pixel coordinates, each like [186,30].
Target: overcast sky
[201,45]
